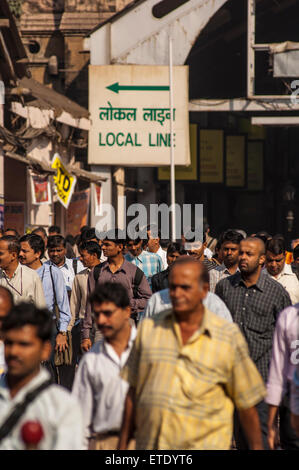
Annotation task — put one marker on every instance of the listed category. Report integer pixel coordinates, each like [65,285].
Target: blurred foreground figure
[182,389]
[26,392]
[98,386]
[6,304]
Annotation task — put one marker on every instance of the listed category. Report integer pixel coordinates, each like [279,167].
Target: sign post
[172,167]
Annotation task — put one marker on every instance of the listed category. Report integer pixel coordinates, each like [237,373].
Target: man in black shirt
[160,280]
[254,300]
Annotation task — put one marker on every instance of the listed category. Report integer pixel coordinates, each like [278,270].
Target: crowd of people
[109,342]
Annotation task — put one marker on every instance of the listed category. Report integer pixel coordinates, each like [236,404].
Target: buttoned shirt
[68,272]
[100,389]
[289,281]
[285,344]
[25,286]
[185,393]
[149,263]
[78,298]
[60,292]
[163,255]
[160,301]
[124,275]
[220,272]
[255,309]
[58,412]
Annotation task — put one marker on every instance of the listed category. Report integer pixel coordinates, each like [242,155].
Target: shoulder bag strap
[20,409]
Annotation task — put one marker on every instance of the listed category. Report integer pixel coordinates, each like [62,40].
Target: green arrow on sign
[116,87]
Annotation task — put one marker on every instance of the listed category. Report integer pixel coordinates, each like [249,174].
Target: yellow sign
[255,156]
[184,172]
[235,160]
[211,156]
[64,181]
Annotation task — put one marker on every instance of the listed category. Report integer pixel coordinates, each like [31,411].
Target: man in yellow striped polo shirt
[187,371]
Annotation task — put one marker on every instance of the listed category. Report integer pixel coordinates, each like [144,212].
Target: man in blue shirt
[32,250]
[149,263]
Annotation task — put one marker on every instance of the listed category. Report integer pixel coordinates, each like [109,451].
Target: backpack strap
[20,409]
[137,280]
[96,272]
[75,265]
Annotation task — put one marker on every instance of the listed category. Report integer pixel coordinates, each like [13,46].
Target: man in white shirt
[279,270]
[153,245]
[27,339]
[98,386]
[24,283]
[6,303]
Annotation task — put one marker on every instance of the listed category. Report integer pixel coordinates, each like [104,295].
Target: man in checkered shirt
[254,300]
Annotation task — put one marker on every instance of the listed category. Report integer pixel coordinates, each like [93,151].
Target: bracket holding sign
[64,182]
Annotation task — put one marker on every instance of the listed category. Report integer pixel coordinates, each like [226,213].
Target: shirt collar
[204,329]
[130,257]
[18,269]
[41,377]
[260,284]
[132,338]
[123,267]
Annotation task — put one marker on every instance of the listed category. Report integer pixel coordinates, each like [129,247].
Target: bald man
[187,370]
[6,304]
[255,301]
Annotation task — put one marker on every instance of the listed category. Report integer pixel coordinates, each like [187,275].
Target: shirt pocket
[261,324]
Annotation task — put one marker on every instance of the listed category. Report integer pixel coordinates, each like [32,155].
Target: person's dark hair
[190,260]
[178,247]
[16,234]
[231,236]
[115,235]
[296,252]
[110,292]
[13,243]
[35,242]
[276,246]
[54,229]
[263,235]
[137,240]
[56,240]
[70,239]
[88,234]
[85,227]
[93,248]
[69,251]
[28,314]
[39,229]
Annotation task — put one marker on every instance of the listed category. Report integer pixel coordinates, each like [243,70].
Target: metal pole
[172,166]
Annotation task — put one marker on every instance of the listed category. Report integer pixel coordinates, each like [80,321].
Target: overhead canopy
[43,104]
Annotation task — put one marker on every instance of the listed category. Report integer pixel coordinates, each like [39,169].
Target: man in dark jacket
[160,280]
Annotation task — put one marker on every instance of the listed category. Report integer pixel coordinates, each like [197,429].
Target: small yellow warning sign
[64,181]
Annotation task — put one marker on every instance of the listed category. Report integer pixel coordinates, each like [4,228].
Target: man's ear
[128,311]
[46,351]
[262,259]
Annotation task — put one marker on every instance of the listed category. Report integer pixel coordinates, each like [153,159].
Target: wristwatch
[63,333]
